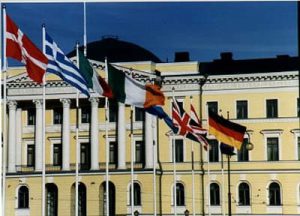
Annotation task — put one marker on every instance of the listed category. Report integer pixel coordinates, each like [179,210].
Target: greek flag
[60,65]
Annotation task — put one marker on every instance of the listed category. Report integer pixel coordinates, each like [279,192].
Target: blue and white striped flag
[62,66]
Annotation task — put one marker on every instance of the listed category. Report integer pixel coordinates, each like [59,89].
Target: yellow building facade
[264,181]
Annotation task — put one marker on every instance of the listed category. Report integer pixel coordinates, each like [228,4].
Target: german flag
[226,131]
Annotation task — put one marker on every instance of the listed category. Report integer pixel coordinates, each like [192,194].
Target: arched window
[23,197]
[81,199]
[136,194]
[51,199]
[214,194]
[244,194]
[180,194]
[274,194]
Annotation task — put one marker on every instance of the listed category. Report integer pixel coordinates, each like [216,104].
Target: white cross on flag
[20,47]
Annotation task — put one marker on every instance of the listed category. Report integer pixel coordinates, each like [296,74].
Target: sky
[249,30]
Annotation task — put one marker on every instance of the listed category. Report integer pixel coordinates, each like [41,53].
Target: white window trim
[208,192]
[172,193]
[136,138]
[129,194]
[17,195]
[272,134]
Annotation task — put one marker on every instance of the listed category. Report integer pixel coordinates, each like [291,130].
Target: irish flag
[129,91]
[94,81]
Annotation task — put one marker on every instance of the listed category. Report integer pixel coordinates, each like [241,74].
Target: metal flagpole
[4,144]
[174,162]
[107,147]
[44,130]
[77,141]
[193,173]
[154,121]
[223,183]
[84,29]
[132,158]
[208,165]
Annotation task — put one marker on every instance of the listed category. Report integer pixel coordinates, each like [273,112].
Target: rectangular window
[139,114]
[242,109]
[30,155]
[139,151]
[85,159]
[214,151]
[273,149]
[213,106]
[31,117]
[57,155]
[243,153]
[179,150]
[113,110]
[272,108]
[113,152]
[85,115]
[57,116]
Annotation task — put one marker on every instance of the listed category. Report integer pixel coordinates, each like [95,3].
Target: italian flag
[94,81]
[129,91]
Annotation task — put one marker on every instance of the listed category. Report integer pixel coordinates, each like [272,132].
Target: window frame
[269,194]
[57,110]
[88,113]
[272,145]
[277,108]
[217,200]
[26,202]
[246,108]
[31,112]
[208,106]
[248,196]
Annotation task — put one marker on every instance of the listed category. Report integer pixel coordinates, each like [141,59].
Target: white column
[19,137]
[121,137]
[94,134]
[148,141]
[12,136]
[66,134]
[38,134]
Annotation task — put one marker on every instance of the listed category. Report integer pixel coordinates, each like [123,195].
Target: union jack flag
[186,125]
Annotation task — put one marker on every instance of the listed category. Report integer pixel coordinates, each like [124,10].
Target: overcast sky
[248,29]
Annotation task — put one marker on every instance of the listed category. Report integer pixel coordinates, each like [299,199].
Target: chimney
[182,57]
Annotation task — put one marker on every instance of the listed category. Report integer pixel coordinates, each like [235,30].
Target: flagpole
[223,183]
[77,141]
[154,122]
[44,130]
[84,29]
[106,146]
[208,164]
[193,172]
[4,150]
[132,159]
[174,163]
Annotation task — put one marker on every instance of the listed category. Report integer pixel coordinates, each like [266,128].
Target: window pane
[242,109]
[139,151]
[113,154]
[213,106]
[85,114]
[214,194]
[180,195]
[30,155]
[179,150]
[272,149]
[244,194]
[272,111]
[298,107]
[31,117]
[274,194]
[85,159]
[214,151]
[57,116]
[23,197]
[139,114]
[298,148]
[57,155]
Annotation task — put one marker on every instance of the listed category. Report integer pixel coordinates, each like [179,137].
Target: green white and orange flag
[129,91]
[226,131]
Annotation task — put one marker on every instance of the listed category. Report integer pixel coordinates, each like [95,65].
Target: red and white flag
[19,47]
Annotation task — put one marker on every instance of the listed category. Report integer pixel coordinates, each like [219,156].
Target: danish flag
[19,47]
